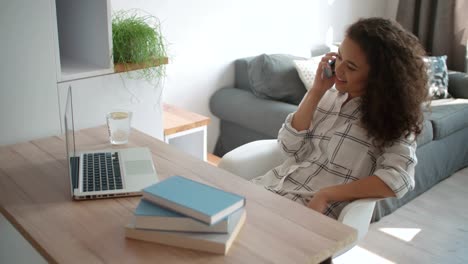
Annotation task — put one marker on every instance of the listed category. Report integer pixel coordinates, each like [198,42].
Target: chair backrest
[253,159]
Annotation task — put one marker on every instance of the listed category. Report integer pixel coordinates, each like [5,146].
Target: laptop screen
[70,141]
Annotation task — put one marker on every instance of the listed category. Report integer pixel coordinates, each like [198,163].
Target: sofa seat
[448,116]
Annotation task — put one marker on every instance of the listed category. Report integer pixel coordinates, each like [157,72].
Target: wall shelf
[119,68]
[83,38]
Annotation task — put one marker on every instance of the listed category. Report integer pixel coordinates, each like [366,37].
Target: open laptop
[105,173]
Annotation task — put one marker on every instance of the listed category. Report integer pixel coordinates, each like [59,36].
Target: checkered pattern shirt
[336,150]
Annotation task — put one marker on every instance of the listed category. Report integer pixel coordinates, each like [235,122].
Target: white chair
[256,158]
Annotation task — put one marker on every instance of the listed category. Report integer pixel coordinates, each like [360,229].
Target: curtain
[441,26]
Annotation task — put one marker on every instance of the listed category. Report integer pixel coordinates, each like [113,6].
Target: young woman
[353,135]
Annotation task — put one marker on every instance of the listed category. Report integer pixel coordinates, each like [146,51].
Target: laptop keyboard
[101,172]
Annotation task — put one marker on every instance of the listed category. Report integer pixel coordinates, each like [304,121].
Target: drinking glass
[118,125]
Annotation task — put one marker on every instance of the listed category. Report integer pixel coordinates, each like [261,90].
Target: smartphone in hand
[328,72]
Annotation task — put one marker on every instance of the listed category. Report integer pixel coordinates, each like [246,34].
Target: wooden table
[35,198]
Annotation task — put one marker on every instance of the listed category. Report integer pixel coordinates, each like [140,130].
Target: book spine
[167,238]
[179,224]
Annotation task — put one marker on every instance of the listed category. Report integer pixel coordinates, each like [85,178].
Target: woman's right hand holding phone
[321,82]
[303,117]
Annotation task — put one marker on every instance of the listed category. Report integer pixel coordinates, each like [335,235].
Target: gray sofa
[442,147]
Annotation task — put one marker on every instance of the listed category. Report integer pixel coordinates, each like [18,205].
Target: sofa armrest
[458,84]
[245,109]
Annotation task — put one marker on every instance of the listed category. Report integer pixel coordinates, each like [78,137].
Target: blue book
[194,199]
[152,216]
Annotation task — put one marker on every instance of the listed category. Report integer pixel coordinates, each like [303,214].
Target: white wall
[28,92]
[206,36]
[95,97]
[392,8]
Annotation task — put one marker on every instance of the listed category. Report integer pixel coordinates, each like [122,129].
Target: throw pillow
[307,69]
[437,74]
[275,77]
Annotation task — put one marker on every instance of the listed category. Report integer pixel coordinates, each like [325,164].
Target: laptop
[105,173]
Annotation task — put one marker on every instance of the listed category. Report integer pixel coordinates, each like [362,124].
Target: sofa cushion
[307,69]
[275,77]
[448,116]
[242,74]
[437,74]
[458,84]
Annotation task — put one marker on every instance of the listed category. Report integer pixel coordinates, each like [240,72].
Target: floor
[433,228]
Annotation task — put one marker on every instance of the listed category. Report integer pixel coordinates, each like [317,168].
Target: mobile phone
[329,71]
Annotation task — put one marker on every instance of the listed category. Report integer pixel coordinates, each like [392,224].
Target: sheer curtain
[440,25]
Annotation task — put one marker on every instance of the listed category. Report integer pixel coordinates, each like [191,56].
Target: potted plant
[138,44]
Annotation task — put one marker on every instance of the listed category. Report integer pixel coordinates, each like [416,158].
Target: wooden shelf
[118,68]
[177,120]
[186,130]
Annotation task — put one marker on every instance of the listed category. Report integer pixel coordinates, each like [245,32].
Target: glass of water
[118,125]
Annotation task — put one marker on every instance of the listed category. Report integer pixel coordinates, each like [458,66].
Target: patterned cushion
[306,70]
[437,77]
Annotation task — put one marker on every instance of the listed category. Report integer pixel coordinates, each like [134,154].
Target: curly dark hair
[396,89]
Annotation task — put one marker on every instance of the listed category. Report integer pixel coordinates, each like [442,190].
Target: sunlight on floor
[360,255]
[405,234]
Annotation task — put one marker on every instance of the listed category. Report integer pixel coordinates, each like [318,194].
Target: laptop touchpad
[138,167]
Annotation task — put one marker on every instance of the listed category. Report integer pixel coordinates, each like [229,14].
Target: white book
[209,242]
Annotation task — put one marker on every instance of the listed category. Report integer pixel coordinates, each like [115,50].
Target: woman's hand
[319,202]
[303,117]
[321,199]
[322,84]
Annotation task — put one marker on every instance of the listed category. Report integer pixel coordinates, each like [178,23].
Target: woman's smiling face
[351,69]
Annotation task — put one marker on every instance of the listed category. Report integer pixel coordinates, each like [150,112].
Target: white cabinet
[28,92]
[83,37]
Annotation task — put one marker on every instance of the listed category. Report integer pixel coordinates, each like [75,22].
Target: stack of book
[184,213]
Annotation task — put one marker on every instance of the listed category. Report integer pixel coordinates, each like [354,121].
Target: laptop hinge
[75,172]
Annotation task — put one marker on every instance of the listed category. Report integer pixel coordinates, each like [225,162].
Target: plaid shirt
[336,150]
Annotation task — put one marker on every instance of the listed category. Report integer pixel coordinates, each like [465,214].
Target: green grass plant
[137,38]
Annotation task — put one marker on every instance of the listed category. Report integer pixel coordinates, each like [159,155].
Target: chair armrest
[458,84]
[358,214]
[253,159]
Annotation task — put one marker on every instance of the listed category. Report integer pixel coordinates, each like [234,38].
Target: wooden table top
[176,119]
[35,198]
